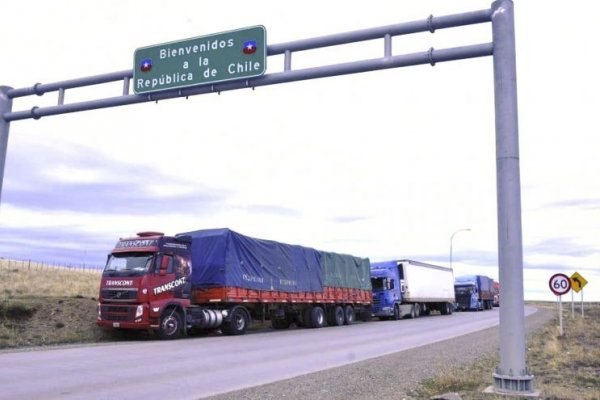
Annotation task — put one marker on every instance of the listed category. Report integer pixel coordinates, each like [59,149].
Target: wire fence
[31,265]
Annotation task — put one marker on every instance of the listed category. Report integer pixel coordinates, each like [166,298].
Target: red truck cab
[146,284]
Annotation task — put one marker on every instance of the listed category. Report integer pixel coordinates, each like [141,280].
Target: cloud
[560,247]
[349,219]
[585,204]
[270,209]
[56,245]
[52,180]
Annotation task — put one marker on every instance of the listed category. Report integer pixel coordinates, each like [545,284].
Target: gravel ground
[389,377]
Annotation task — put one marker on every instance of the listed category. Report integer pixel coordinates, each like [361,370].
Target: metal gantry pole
[512,375]
[5,106]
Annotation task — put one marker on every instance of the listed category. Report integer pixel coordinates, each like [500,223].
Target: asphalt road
[203,366]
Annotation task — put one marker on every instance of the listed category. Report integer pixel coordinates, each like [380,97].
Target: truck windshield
[128,264]
[463,289]
[378,283]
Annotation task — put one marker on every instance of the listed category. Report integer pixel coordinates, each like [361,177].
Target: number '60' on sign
[560,284]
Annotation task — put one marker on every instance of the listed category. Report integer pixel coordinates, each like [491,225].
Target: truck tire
[413,311]
[349,316]
[170,325]
[317,317]
[397,312]
[335,316]
[340,316]
[237,324]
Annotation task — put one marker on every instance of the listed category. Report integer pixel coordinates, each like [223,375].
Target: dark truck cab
[143,277]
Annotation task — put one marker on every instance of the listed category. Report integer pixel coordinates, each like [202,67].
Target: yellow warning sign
[577,282]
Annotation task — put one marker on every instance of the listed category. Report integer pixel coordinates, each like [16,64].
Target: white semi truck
[407,288]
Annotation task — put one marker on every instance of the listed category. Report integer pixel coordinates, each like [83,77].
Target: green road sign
[219,57]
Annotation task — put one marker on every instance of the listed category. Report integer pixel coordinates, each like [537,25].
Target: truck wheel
[317,317]
[170,325]
[335,316]
[306,317]
[396,312]
[339,316]
[348,315]
[237,324]
[413,311]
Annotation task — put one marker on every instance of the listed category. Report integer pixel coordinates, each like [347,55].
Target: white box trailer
[426,282]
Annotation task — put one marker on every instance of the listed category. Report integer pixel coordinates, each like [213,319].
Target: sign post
[226,56]
[560,284]
[577,284]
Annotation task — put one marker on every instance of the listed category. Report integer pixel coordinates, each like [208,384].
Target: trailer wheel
[170,325]
[335,316]
[413,311]
[237,324]
[348,315]
[330,316]
[339,316]
[317,317]
[444,309]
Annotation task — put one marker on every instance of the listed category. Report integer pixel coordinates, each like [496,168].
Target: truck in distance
[407,288]
[474,292]
[220,279]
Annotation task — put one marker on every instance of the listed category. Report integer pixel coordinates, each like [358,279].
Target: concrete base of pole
[512,385]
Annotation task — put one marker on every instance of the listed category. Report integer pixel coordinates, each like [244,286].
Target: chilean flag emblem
[146,65]
[249,47]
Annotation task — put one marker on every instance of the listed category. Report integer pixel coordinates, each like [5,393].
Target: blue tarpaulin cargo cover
[222,257]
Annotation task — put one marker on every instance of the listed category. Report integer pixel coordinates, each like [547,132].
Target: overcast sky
[382,164]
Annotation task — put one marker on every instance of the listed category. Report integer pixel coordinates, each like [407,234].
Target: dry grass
[41,306]
[565,367]
[31,281]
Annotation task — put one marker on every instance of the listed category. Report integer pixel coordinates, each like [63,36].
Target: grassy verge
[47,306]
[565,367]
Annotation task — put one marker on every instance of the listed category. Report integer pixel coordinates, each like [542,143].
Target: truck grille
[119,294]
[117,313]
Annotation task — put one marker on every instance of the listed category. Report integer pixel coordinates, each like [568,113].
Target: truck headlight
[139,311]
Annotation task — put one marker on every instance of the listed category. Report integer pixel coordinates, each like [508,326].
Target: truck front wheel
[170,325]
[396,312]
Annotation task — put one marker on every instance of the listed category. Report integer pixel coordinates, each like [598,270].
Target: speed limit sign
[560,284]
